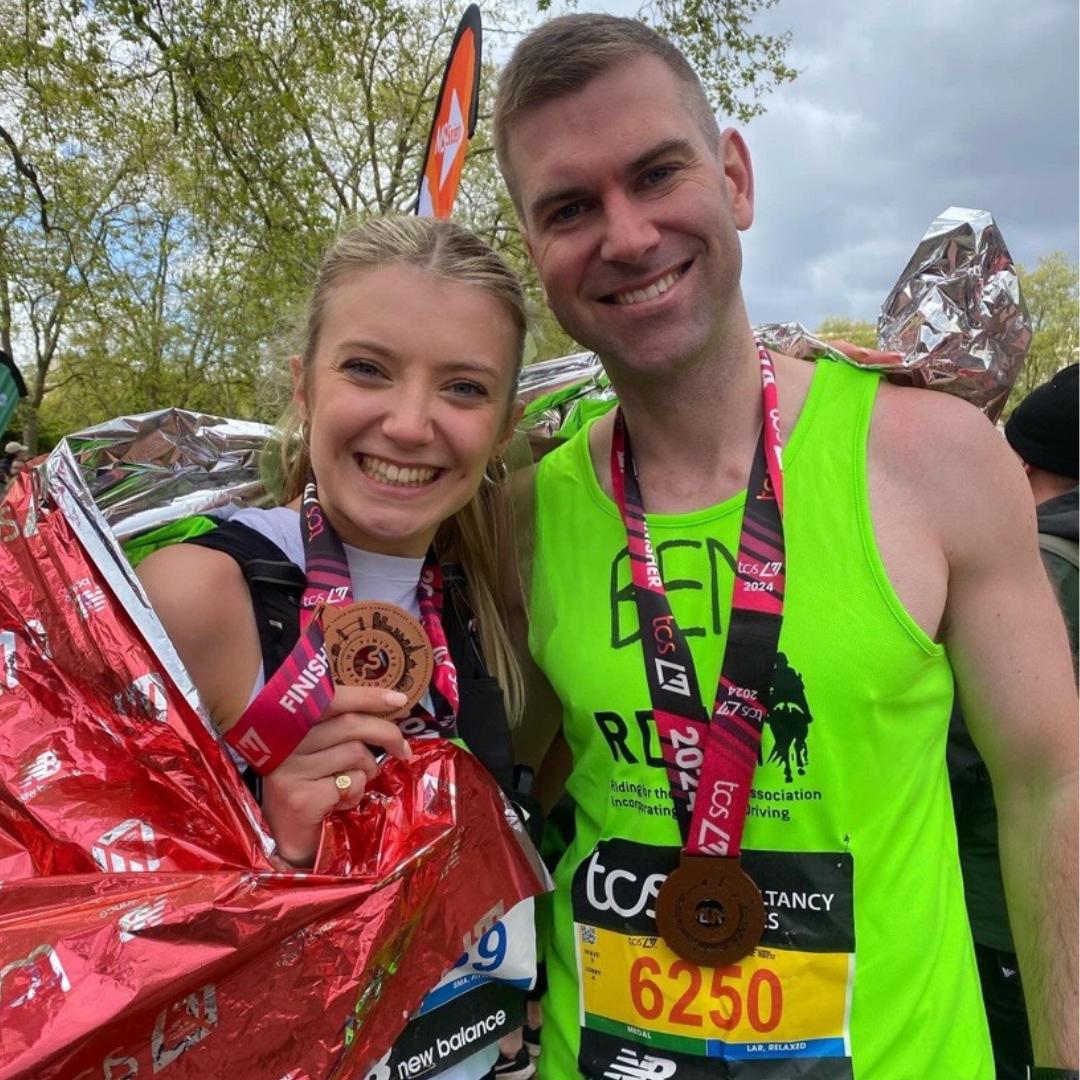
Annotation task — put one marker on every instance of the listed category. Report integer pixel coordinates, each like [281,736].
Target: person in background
[13,451]
[1043,430]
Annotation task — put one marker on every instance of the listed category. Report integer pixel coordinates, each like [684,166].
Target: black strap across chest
[276,585]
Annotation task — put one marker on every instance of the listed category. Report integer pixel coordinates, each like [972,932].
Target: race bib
[480,999]
[646,1014]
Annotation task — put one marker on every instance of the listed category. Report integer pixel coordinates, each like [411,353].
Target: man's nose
[629,232]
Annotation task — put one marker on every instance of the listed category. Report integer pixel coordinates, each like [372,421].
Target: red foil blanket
[143,928]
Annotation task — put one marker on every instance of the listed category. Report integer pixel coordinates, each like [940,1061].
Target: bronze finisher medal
[709,911]
[376,644]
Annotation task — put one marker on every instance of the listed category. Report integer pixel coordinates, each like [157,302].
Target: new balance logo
[627,1066]
[40,769]
[87,597]
[141,918]
[129,847]
[672,677]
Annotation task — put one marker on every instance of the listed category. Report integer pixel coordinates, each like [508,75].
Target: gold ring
[343,782]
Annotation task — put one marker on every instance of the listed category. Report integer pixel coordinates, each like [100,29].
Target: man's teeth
[657,288]
[388,473]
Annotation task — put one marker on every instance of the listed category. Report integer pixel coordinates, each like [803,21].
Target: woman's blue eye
[361,367]
[567,213]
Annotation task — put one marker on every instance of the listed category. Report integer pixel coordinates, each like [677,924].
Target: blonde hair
[565,54]
[473,535]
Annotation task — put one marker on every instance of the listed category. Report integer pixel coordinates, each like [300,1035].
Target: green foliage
[170,172]
[1052,293]
[857,332]
[737,65]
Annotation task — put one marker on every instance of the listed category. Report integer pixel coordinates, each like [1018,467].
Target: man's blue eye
[468,389]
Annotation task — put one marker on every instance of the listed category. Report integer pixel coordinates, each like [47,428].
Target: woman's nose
[409,418]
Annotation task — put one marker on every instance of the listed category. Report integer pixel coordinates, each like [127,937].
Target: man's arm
[1009,650]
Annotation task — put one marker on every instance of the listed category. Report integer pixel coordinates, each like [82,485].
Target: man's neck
[694,437]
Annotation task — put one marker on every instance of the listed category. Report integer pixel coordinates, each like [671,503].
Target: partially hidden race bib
[480,999]
[784,1010]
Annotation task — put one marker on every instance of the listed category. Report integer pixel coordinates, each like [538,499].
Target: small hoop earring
[497,472]
[305,431]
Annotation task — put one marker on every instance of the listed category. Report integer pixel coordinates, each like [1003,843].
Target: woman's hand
[866,356]
[301,791]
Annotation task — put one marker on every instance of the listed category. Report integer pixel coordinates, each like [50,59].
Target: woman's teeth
[657,288]
[387,472]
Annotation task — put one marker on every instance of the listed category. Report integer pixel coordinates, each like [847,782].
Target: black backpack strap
[482,721]
[275,582]
[276,585]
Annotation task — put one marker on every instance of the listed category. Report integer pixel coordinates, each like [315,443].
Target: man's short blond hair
[565,54]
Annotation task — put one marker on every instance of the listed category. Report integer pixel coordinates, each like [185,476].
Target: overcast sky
[901,110]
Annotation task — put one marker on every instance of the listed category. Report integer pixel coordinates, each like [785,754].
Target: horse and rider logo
[789,720]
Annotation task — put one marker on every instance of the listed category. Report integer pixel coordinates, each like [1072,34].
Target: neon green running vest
[866,968]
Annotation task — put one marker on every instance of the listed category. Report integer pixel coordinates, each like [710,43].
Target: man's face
[631,214]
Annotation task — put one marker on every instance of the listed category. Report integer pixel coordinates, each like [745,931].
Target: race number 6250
[723,1005]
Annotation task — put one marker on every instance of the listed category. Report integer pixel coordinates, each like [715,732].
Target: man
[1043,431]
[899,527]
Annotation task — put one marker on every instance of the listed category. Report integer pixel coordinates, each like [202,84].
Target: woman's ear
[516,413]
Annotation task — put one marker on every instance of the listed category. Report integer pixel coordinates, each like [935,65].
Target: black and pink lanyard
[710,760]
[298,693]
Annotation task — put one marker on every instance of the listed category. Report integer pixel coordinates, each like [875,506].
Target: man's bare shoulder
[932,429]
[944,454]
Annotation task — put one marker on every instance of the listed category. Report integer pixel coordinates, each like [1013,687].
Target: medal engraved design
[709,911]
[377,644]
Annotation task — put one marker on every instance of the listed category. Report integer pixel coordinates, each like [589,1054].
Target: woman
[403,401]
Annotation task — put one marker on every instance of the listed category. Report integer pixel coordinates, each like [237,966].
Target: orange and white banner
[455,120]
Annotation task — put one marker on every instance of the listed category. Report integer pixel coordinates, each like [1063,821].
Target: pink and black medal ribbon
[298,693]
[708,910]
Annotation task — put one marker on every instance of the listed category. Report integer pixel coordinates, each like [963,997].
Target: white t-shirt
[390,579]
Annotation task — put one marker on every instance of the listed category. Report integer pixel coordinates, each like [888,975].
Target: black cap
[1043,428]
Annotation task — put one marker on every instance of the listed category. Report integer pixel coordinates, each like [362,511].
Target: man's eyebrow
[551,198]
[678,146]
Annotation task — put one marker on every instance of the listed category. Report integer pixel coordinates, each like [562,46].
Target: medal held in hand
[708,910]
[371,643]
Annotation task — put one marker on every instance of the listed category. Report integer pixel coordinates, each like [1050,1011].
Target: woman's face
[407,398]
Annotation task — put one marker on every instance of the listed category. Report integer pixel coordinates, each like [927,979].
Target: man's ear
[739,173]
[296,367]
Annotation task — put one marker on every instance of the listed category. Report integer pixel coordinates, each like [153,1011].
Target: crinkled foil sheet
[955,315]
[143,927]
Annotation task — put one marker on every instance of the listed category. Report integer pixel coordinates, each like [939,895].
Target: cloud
[899,112]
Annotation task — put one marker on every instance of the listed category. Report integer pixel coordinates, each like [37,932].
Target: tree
[169,173]
[1052,293]
[836,328]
